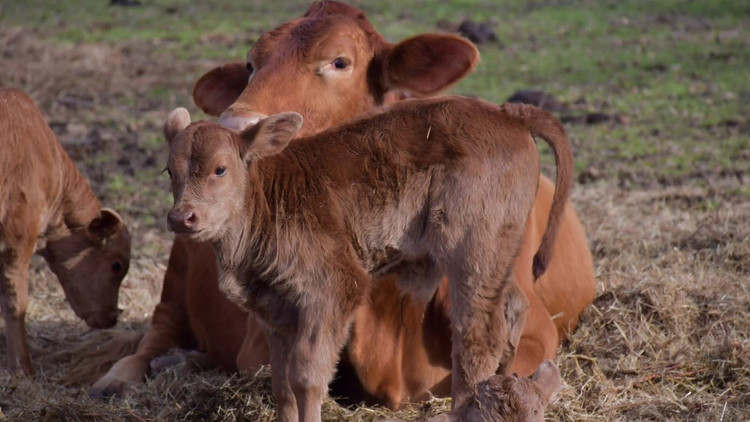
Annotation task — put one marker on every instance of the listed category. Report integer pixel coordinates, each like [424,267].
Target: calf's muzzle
[181,221]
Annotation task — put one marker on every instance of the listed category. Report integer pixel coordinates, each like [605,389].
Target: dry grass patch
[666,339]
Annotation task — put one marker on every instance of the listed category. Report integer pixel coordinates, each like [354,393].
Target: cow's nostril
[190,219]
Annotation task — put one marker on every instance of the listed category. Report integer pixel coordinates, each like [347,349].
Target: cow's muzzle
[239,120]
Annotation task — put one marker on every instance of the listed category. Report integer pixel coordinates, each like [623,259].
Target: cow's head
[90,263]
[330,65]
[208,166]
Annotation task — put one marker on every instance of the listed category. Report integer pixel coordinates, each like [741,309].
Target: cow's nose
[181,221]
[238,120]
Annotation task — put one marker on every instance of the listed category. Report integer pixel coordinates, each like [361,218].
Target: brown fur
[47,206]
[427,187]
[509,398]
[413,342]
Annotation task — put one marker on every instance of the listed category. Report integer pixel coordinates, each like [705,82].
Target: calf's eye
[220,171]
[116,267]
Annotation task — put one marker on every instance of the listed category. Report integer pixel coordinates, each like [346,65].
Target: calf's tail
[544,125]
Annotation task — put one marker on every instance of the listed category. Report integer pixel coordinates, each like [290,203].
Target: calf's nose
[181,221]
[238,120]
[103,319]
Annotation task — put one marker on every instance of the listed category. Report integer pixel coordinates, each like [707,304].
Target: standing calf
[424,189]
[47,206]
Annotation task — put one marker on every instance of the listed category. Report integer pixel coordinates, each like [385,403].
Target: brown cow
[47,206]
[429,187]
[507,398]
[314,85]
[413,343]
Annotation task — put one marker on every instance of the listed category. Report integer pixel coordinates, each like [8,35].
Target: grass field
[664,188]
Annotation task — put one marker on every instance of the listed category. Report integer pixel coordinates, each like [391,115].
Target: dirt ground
[668,337]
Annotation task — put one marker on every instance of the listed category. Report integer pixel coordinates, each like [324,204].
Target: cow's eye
[340,63]
[249,67]
[116,267]
[220,171]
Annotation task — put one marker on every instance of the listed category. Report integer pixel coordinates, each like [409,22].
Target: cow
[47,206]
[413,342]
[426,188]
[507,398]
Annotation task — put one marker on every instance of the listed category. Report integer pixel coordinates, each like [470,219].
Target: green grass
[676,69]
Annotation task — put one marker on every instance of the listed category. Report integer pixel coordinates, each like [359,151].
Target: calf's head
[513,398]
[213,170]
[330,65]
[90,263]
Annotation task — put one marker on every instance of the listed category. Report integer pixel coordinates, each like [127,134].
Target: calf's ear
[546,379]
[426,64]
[176,122]
[219,88]
[107,224]
[270,135]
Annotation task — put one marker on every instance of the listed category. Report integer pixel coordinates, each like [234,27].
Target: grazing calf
[430,187]
[47,206]
[509,398]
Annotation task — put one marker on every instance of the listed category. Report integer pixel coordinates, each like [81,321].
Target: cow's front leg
[14,299]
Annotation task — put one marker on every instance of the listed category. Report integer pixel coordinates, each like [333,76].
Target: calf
[508,398]
[47,206]
[426,188]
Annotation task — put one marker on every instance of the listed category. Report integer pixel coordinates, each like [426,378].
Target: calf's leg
[14,300]
[313,357]
[484,297]
[281,347]
[304,351]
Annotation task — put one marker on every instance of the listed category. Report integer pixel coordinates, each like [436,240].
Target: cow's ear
[546,379]
[270,135]
[176,122]
[107,224]
[219,88]
[426,64]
